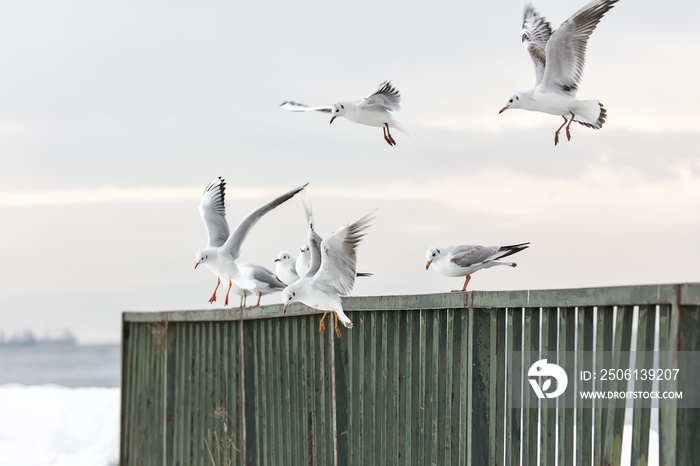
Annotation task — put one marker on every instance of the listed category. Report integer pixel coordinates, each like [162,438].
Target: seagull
[224,247]
[331,277]
[559,57]
[458,261]
[373,110]
[303,260]
[265,281]
[285,268]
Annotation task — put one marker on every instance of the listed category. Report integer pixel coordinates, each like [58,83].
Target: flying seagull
[373,110]
[559,57]
[224,247]
[464,260]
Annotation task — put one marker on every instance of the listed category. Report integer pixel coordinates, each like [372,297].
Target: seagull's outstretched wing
[536,33]
[232,247]
[292,106]
[339,258]
[213,212]
[566,49]
[387,97]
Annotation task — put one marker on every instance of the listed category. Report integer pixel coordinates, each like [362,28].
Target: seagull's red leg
[556,135]
[259,296]
[389,140]
[227,292]
[466,281]
[322,326]
[337,330]
[388,133]
[213,296]
[568,134]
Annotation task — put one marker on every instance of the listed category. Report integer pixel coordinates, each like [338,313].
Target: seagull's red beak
[333,118]
[277,260]
[427,266]
[503,109]
[285,308]
[195,265]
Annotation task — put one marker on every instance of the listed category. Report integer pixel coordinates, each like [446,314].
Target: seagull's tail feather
[505,251]
[344,319]
[402,129]
[590,113]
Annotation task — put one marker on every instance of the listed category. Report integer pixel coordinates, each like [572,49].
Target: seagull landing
[373,110]
[559,57]
[333,275]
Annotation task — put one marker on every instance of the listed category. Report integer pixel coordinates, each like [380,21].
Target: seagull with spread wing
[559,57]
[332,270]
[373,110]
[224,247]
[464,260]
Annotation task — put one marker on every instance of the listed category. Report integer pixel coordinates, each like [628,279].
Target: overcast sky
[114,116]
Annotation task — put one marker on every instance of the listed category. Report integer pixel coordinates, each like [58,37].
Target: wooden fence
[426,379]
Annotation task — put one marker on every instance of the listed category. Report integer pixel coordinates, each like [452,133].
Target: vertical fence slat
[567,326]
[549,413]
[642,408]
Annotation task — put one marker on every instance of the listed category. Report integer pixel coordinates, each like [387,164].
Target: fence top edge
[681,294]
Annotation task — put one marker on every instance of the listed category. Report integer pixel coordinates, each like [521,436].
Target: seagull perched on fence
[559,57]
[373,110]
[285,268]
[224,247]
[265,282]
[464,260]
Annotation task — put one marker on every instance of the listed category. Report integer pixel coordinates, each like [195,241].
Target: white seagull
[224,247]
[458,261]
[333,277]
[373,110]
[285,268]
[303,260]
[265,282]
[559,57]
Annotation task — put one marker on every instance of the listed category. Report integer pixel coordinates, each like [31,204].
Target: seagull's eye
[433,254]
[510,101]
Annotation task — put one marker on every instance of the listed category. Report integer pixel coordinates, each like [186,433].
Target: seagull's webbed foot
[337,330]
[321,325]
[213,296]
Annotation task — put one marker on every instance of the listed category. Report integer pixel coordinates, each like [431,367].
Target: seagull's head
[201,257]
[289,295]
[513,102]
[304,249]
[283,257]
[337,110]
[431,254]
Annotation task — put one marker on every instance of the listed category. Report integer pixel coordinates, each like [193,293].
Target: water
[66,365]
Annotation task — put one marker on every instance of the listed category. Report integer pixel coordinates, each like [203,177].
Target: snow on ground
[49,425]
